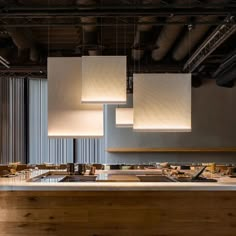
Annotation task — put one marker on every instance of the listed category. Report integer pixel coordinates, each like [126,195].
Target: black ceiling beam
[25,72]
[119,11]
[227,77]
[40,71]
[51,23]
[132,5]
[227,64]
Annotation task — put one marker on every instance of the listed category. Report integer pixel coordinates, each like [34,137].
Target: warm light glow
[67,116]
[104,79]
[124,117]
[162,102]
[83,123]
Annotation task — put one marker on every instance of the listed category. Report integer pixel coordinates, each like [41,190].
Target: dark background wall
[213,125]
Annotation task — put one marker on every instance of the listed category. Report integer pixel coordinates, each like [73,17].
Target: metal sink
[155,178]
[64,178]
[188,179]
[47,179]
[79,178]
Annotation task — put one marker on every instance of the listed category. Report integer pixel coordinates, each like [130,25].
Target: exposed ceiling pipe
[194,35]
[168,35]
[89,32]
[23,39]
[225,75]
[227,78]
[142,34]
[227,65]
[191,38]
[141,38]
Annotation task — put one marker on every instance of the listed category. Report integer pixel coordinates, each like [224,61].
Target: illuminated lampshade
[124,117]
[104,79]
[162,102]
[67,116]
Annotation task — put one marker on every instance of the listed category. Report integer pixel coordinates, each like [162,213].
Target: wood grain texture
[159,213]
[188,150]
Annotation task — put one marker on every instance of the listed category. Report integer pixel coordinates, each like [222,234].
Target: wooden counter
[116,208]
[128,213]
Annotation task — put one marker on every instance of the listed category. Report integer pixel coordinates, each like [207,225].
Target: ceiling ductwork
[194,35]
[142,36]
[6,52]
[192,38]
[89,32]
[225,75]
[228,79]
[228,64]
[168,35]
[23,40]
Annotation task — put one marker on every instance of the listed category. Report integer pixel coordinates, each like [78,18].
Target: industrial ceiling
[156,35]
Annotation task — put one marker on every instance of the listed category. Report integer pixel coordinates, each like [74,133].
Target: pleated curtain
[13,125]
[41,148]
[23,128]
[90,150]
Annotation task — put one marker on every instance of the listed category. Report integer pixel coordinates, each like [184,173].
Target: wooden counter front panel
[118,213]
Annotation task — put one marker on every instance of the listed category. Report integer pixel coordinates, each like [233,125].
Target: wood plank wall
[118,213]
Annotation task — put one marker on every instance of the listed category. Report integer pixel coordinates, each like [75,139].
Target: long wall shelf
[166,150]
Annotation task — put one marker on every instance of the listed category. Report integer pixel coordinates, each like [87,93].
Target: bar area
[117,118]
[119,200]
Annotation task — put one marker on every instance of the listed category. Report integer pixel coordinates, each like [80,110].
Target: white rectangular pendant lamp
[104,79]
[67,116]
[124,117]
[162,102]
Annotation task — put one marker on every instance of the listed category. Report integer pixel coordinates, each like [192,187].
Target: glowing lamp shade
[104,79]
[162,102]
[124,117]
[67,116]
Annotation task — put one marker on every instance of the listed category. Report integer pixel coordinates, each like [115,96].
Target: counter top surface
[20,183]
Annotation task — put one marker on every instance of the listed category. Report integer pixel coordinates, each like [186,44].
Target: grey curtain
[41,148]
[13,125]
[23,128]
[90,150]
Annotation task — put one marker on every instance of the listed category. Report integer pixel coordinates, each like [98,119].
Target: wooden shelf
[142,150]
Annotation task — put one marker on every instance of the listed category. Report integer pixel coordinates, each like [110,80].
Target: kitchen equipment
[70,168]
[184,167]
[115,167]
[231,171]
[198,173]
[81,169]
[92,170]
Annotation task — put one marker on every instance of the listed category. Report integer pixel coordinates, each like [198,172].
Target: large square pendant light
[104,79]
[162,102]
[124,117]
[67,116]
